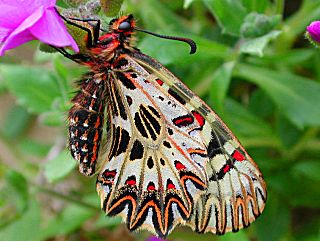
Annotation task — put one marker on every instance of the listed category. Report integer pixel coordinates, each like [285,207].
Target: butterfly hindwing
[236,192]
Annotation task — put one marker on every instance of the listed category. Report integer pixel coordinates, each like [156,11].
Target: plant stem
[279,6]
[65,198]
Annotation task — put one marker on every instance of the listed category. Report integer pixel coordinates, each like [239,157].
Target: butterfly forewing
[155,169]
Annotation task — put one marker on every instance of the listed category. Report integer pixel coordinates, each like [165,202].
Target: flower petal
[4,32]
[16,40]
[153,238]
[14,12]
[22,34]
[48,3]
[11,16]
[50,29]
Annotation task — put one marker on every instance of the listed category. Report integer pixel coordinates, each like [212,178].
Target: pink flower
[313,31]
[155,239]
[25,20]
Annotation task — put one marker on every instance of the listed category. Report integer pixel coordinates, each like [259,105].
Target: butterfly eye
[124,26]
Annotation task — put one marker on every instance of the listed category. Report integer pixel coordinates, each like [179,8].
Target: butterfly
[163,157]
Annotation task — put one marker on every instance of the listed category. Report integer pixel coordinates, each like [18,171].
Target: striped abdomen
[86,120]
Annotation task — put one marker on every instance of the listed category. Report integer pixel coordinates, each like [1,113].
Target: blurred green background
[253,66]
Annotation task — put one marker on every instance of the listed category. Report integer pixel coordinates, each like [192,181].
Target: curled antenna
[191,43]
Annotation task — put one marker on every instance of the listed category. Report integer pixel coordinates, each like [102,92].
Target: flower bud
[313,33]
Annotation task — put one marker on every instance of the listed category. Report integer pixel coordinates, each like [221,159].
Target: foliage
[253,66]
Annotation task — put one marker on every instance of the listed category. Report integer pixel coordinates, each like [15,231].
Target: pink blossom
[25,20]
[314,31]
[155,239]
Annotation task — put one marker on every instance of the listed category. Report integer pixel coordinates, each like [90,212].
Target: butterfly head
[120,32]
[119,36]
[124,25]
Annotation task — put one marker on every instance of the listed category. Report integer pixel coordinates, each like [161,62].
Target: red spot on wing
[131,182]
[226,168]
[159,81]
[238,156]
[199,118]
[109,173]
[179,165]
[151,187]
[183,120]
[171,186]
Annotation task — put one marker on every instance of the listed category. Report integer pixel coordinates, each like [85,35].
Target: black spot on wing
[126,81]
[162,162]
[176,96]
[139,125]
[214,146]
[121,141]
[150,162]
[129,100]
[154,111]
[136,151]
[155,124]
[120,105]
[149,128]
[167,144]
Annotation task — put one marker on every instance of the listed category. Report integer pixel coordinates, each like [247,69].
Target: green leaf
[111,7]
[274,221]
[45,48]
[70,219]
[256,46]
[246,124]
[179,52]
[309,169]
[294,57]
[187,3]
[34,147]
[230,14]
[256,5]
[288,132]
[260,104]
[17,121]
[292,187]
[59,167]
[296,97]
[14,198]
[106,221]
[156,15]
[220,84]
[240,236]
[53,118]
[257,25]
[26,228]
[35,88]
[19,186]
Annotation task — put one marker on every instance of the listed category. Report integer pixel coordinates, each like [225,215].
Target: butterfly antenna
[191,43]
